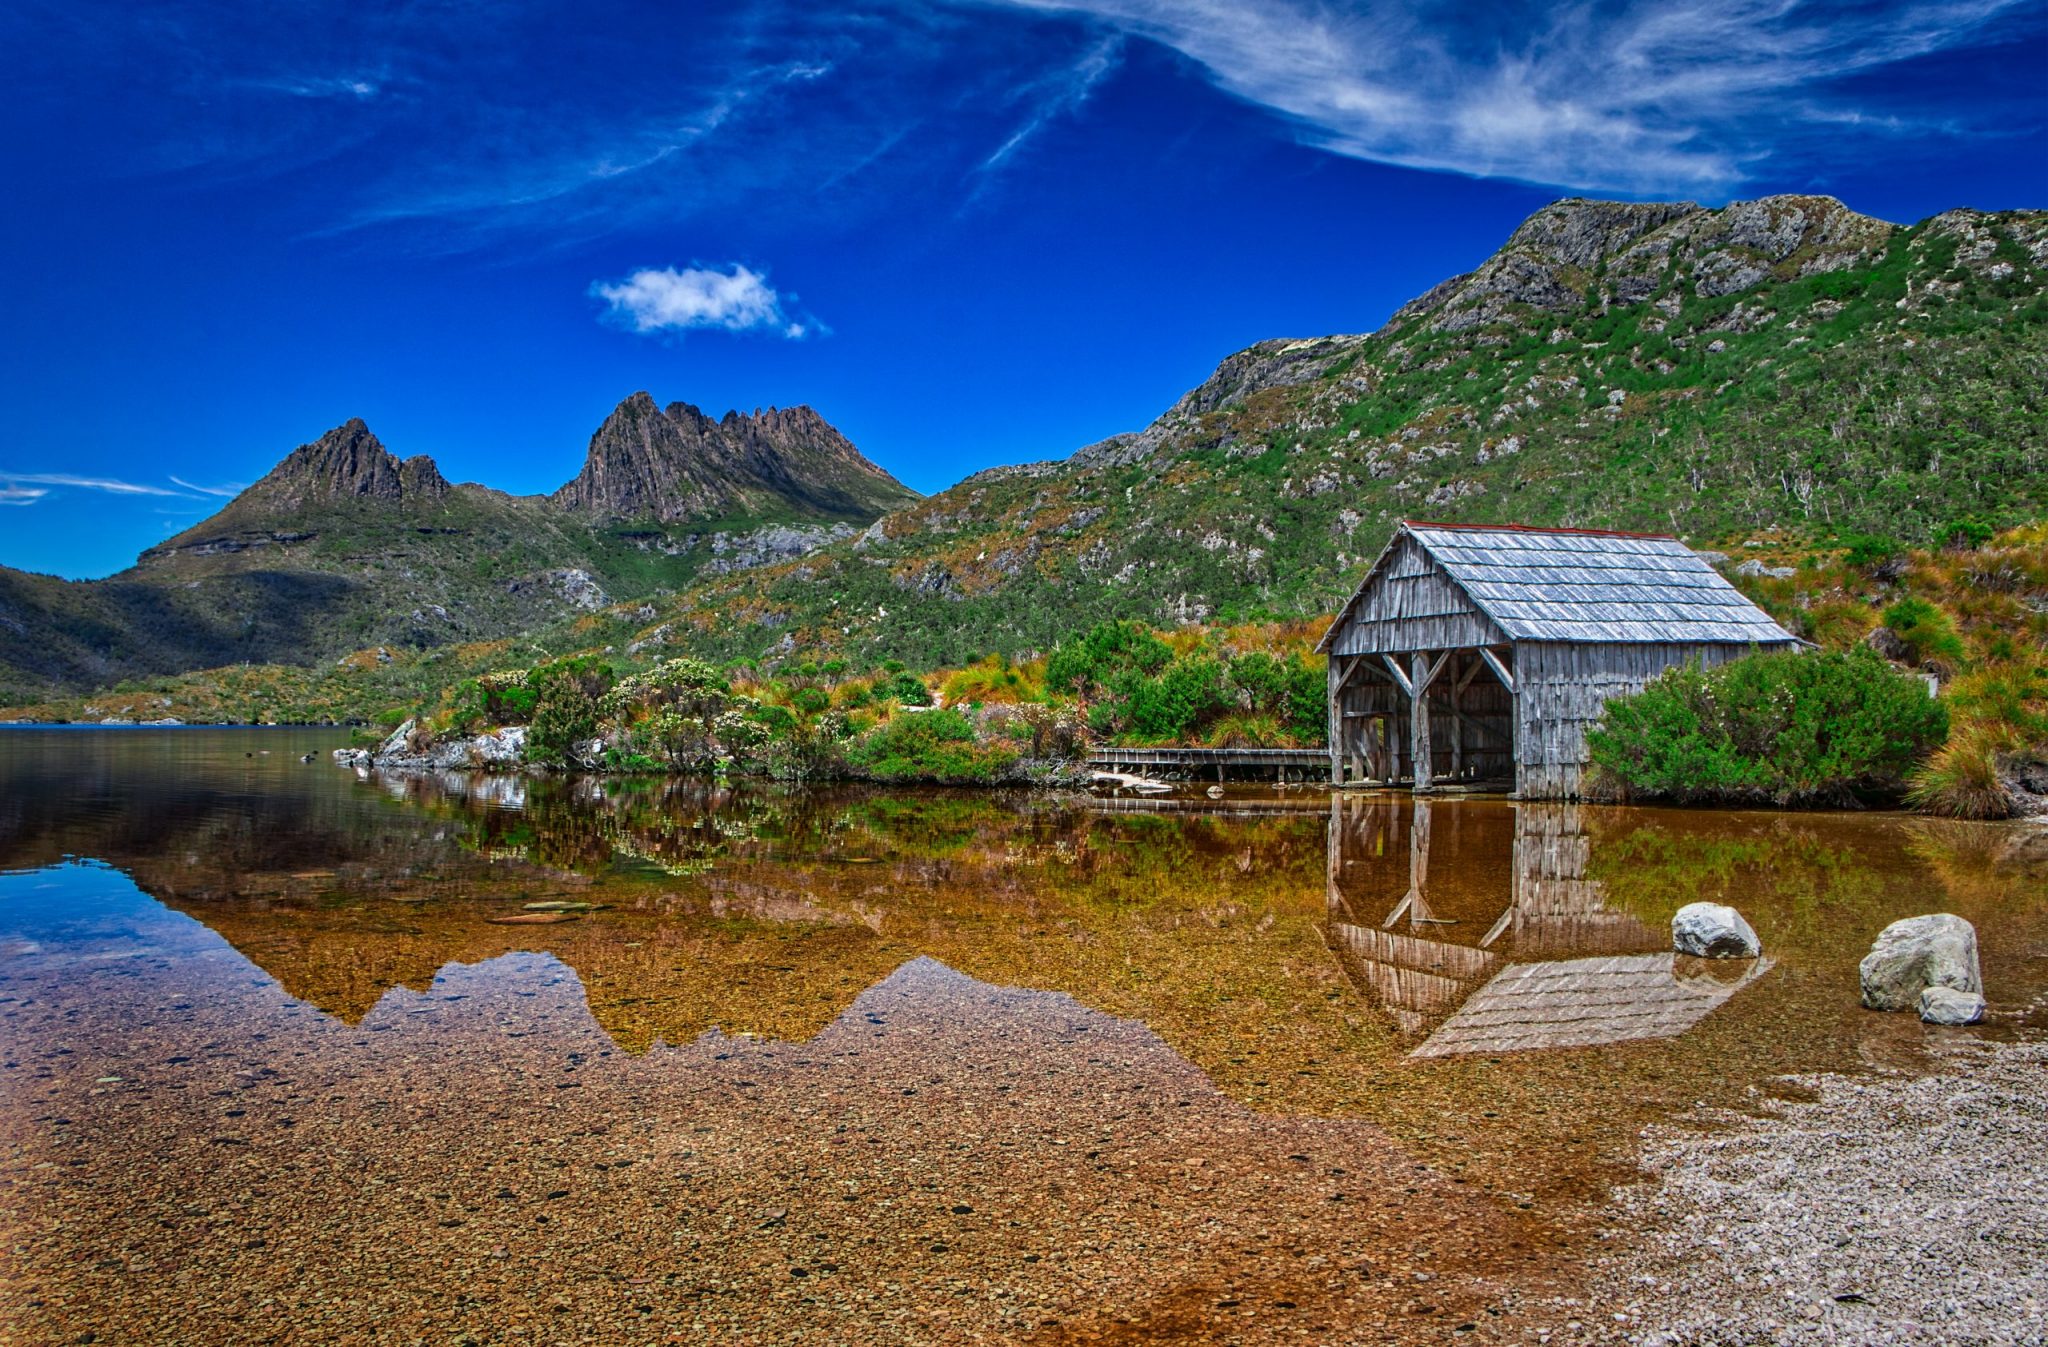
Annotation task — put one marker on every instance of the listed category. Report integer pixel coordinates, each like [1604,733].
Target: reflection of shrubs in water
[1653,869]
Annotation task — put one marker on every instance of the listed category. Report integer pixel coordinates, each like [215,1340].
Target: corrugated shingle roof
[1587,585]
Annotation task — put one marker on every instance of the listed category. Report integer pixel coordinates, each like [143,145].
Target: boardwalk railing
[1217,764]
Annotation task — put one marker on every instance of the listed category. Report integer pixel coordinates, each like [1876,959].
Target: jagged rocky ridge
[344,545]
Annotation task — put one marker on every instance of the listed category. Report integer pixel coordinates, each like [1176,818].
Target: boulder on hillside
[1945,1005]
[1713,931]
[1917,953]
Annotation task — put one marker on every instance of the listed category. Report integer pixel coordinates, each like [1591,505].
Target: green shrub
[1868,551]
[566,708]
[1784,728]
[1091,663]
[1964,535]
[1186,693]
[936,746]
[906,689]
[681,714]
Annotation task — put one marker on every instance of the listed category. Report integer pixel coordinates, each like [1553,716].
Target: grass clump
[1789,728]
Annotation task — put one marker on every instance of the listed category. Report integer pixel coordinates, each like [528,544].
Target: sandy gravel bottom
[1886,1210]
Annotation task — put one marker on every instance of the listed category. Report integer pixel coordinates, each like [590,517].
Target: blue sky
[967,233]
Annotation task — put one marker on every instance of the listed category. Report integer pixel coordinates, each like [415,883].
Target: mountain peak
[680,464]
[348,462]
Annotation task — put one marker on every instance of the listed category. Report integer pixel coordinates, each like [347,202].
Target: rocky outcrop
[408,749]
[568,585]
[1713,931]
[647,463]
[1576,254]
[770,545]
[1917,953]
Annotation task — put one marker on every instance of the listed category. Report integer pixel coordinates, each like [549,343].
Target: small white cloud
[21,495]
[665,299]
[114,485]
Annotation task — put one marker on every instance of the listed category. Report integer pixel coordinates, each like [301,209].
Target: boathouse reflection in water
[1471,963]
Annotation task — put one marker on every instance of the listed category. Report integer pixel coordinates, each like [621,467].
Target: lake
[288,1057]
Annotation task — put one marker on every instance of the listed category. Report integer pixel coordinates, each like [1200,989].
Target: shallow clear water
[846,1065]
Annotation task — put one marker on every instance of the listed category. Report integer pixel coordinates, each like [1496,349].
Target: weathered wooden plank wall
[1415,606]
[1564,689]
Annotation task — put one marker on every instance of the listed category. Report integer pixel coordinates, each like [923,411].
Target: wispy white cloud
[112,485]
[668,300]
[1059,95]
[1629,95]
[361,88]
[22,495]
[224,489]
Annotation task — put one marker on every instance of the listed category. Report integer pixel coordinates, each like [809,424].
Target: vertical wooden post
[1336,730]
[1457,724]
[1419,717]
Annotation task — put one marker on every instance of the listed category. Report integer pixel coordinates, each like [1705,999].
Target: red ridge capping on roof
[1532,528]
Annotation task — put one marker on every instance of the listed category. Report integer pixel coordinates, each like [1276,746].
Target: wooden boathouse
[1477,655]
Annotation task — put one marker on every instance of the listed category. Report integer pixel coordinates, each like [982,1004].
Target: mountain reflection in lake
[841,1065]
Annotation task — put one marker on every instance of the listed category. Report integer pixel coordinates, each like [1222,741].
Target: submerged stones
[1945,1005]
[1918,953]
[1713,931]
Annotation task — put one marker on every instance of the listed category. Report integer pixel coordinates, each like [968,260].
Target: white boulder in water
[1945,1005]
[1917,953]
[1713,931]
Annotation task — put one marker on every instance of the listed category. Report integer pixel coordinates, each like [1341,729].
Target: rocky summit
[646,463]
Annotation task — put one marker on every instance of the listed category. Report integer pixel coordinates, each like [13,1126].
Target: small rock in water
[1945,1005]
[534,919]
[1713,931]
[562,905]
[1917,953]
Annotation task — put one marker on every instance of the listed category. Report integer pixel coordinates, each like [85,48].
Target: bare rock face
[676,464]
[1576,253]
[1917,953]
[347,462]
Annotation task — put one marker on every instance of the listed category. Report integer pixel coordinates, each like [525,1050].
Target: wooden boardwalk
[1217,764]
